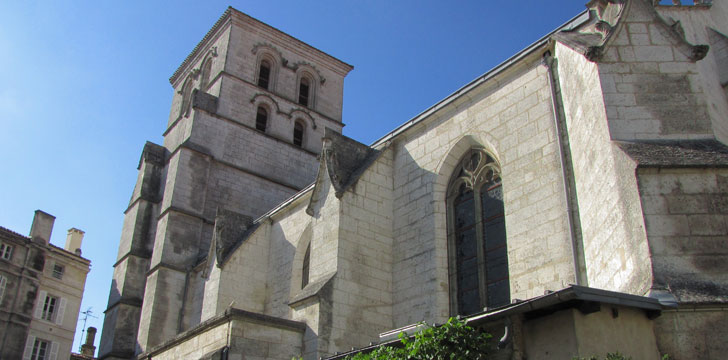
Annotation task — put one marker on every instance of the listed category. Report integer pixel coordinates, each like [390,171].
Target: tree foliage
[452,340]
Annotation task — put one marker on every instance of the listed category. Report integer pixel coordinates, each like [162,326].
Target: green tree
[452,340]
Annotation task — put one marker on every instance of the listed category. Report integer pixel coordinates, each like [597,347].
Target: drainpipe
[180,319]
[562,138]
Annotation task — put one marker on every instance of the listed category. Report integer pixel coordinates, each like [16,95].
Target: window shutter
[3,280]
[39,304]
[54,351]
[29,347]
[61,311]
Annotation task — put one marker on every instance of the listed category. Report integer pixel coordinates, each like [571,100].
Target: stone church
[573,201]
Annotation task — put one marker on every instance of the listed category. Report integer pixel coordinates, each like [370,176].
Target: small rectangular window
[58,271]
[6,251]
[40,350]
[49,308]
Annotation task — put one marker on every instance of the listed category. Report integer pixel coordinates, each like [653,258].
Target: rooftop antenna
[86,314]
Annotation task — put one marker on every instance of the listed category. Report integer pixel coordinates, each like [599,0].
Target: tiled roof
[677,153]
[7,232]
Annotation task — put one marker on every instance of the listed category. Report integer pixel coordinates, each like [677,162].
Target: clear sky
[83,84]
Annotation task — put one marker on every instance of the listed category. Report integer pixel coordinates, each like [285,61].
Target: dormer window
[304,89]
[298,134]
[261,119]
[264,74]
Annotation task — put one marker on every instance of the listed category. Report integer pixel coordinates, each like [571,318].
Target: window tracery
[478,259]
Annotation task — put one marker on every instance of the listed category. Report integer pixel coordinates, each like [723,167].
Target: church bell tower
[249,109]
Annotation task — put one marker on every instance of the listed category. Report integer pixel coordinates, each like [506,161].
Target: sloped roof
[677,153]
[7,233]
[344,160]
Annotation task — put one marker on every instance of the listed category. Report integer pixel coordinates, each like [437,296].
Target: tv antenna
[86,314]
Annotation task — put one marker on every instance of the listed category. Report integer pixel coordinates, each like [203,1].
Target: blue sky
[84,84]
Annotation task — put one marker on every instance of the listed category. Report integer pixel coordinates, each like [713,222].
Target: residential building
[41,287]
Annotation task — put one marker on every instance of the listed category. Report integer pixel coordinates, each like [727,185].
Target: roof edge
[573,22]
[226,15]
[223,20]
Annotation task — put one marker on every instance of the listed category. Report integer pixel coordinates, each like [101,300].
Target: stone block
[653,53]
[707,224]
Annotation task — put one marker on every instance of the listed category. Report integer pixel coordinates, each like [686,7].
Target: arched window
[186,98]
[304,91]
[305,267]
[261,119]
[205,76]
[298,133]
[264,74]
[478,258]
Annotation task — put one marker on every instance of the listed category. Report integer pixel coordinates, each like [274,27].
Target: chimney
[73,241]
[42,226]
[88,349]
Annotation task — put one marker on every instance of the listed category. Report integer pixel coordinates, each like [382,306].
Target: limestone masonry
[573,201]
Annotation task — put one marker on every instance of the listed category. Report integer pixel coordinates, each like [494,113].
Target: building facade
[41,287]
[579,186]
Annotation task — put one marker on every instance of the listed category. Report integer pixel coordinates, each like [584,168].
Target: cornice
[337,65]
[232,15]
[219,24]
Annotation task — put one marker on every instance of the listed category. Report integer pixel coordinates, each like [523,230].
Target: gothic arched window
[478,256]
[261,119]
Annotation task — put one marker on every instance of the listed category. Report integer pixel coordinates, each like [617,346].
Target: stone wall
[239,101]
[290,233]
[241,279]
[511,117]
[611,329]
[362,292]
[242,334]
[220,43]
[651,85]
[708,25]
[685,212]
[248,39]
[693,333]
[615,246]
